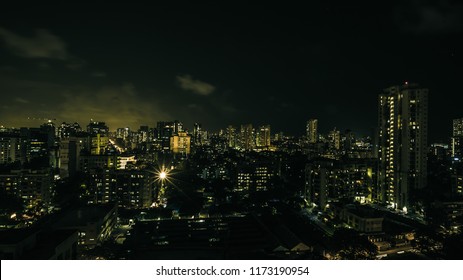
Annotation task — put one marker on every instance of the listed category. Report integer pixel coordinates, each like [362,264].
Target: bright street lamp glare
[162,175]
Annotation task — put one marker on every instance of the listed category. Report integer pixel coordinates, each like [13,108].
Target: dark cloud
[21,100]
[99,74]
[8,69]
[42,45]
[328,62]
[194,106]
[76,63]
[43,66]
[423,17]
[186,82]
[118,105]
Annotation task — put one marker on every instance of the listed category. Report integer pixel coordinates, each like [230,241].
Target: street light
[162,178]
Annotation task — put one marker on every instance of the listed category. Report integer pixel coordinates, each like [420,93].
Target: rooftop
[84,215]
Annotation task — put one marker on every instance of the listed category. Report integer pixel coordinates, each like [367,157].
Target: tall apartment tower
[263,137]
[335,139]
[458,127]
[457,138]
[247,139]
[312,130]
[197,139]
[231,136]
[402,149]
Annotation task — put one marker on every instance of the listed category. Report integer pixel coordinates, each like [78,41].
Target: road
[315,221]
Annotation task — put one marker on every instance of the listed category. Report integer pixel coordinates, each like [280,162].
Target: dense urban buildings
[163,190]
[329,131]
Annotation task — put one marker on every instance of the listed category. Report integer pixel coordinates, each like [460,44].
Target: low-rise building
[94,223]
[31,244]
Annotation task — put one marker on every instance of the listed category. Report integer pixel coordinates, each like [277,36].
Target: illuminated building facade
[335,139]
[247,139]
[328,180]
[263,137]
[178,126]
[403,117]
[262,178]
[143,134]
[197,139]
[94,224]
[66,130]
[457,147]
[90,162]
[457,183]
[316,185]
[123,133]
[457,138]
[69,153]
[231,136]
[458,127]
[244,183]
[312,130]
[35,143]
[165,131]
[98,144]
[10,149]
[95,127]
[33,187]
[128,188]
[180,143]
[252,178]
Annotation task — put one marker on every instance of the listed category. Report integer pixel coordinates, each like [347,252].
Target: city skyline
[303,133]
[133,67]
[315,132]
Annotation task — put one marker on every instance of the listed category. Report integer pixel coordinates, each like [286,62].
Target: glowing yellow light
[162,175]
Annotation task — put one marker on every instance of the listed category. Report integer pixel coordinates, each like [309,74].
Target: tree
[350,245]
[10,203]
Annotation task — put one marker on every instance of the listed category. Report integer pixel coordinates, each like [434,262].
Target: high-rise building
[244,183]
[458,127]
[35,143]
[335,139]
[456,180]
[10,148]
[143,133]
[247,141]
[69,152]
[197,134]
[178,126]
[252,178]
[66,130]
[348,140]
[263,139]
[165,131]
[312,130]
[180,143]
[403,131]
[457,138]
[127,188]
[231,136]
[123,133]
[98,144]
[316,185]
[33,187]
[457,147]
[95,127]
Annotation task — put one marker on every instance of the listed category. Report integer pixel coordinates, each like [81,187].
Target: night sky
[129,64]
